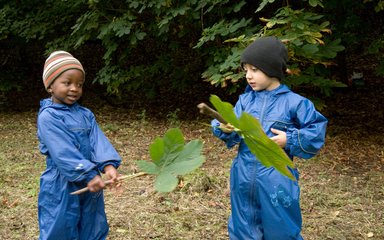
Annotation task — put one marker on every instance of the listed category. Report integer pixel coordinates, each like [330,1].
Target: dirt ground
[342,191]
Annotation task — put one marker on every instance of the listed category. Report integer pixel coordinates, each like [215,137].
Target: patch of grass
[341,204]
[342,191]
[21,165]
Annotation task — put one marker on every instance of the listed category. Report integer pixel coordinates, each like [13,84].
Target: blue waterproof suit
[76,150]
[265,204]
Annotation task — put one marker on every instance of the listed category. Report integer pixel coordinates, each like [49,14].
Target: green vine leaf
[267,151]
[171,158]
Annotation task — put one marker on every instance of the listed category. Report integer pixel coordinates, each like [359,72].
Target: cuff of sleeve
[90,175]
[230,139]
[289,143]
[115,164]
[215,123]
[233,139]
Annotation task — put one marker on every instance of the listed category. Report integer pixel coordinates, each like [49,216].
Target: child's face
[68,87]
[258,80]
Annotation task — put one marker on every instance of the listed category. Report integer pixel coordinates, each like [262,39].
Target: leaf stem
[124,177]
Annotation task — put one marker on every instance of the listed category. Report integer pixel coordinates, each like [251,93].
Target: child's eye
[253,69]
[248,67]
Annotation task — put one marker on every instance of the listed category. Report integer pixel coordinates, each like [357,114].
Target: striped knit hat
[57,63]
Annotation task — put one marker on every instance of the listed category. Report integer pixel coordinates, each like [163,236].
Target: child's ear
[49,90]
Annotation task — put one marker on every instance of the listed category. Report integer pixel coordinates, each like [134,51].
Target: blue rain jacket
[76,151]
[265,204]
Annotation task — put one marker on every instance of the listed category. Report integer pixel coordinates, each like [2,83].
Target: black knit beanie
[268,54]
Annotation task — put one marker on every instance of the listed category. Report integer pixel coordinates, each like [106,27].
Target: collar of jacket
[48,103]
[279,90]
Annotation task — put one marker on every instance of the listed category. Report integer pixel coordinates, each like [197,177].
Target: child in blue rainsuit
[265,204]
[76,153]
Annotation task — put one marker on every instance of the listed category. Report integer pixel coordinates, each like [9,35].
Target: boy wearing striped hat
[76,151]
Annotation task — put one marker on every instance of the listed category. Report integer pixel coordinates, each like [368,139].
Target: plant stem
[109,182]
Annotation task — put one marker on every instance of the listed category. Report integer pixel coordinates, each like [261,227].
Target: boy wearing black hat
[265,204]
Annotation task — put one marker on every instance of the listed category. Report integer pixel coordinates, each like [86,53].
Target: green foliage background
[156,46]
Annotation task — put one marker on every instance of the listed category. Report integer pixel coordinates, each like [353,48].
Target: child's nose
[247,74]
[74,88]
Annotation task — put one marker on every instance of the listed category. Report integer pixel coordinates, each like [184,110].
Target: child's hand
[96,184]
[280,138]
[111,174]
[227,128]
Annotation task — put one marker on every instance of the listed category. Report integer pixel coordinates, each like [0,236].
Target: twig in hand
[204,109]
[109,182]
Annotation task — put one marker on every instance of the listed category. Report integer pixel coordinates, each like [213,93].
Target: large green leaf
[166,182]
[168,147]
[267,151]
[148,167]
[173,138]
[171,158]
[225,109]
[188,159]
[156,150]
